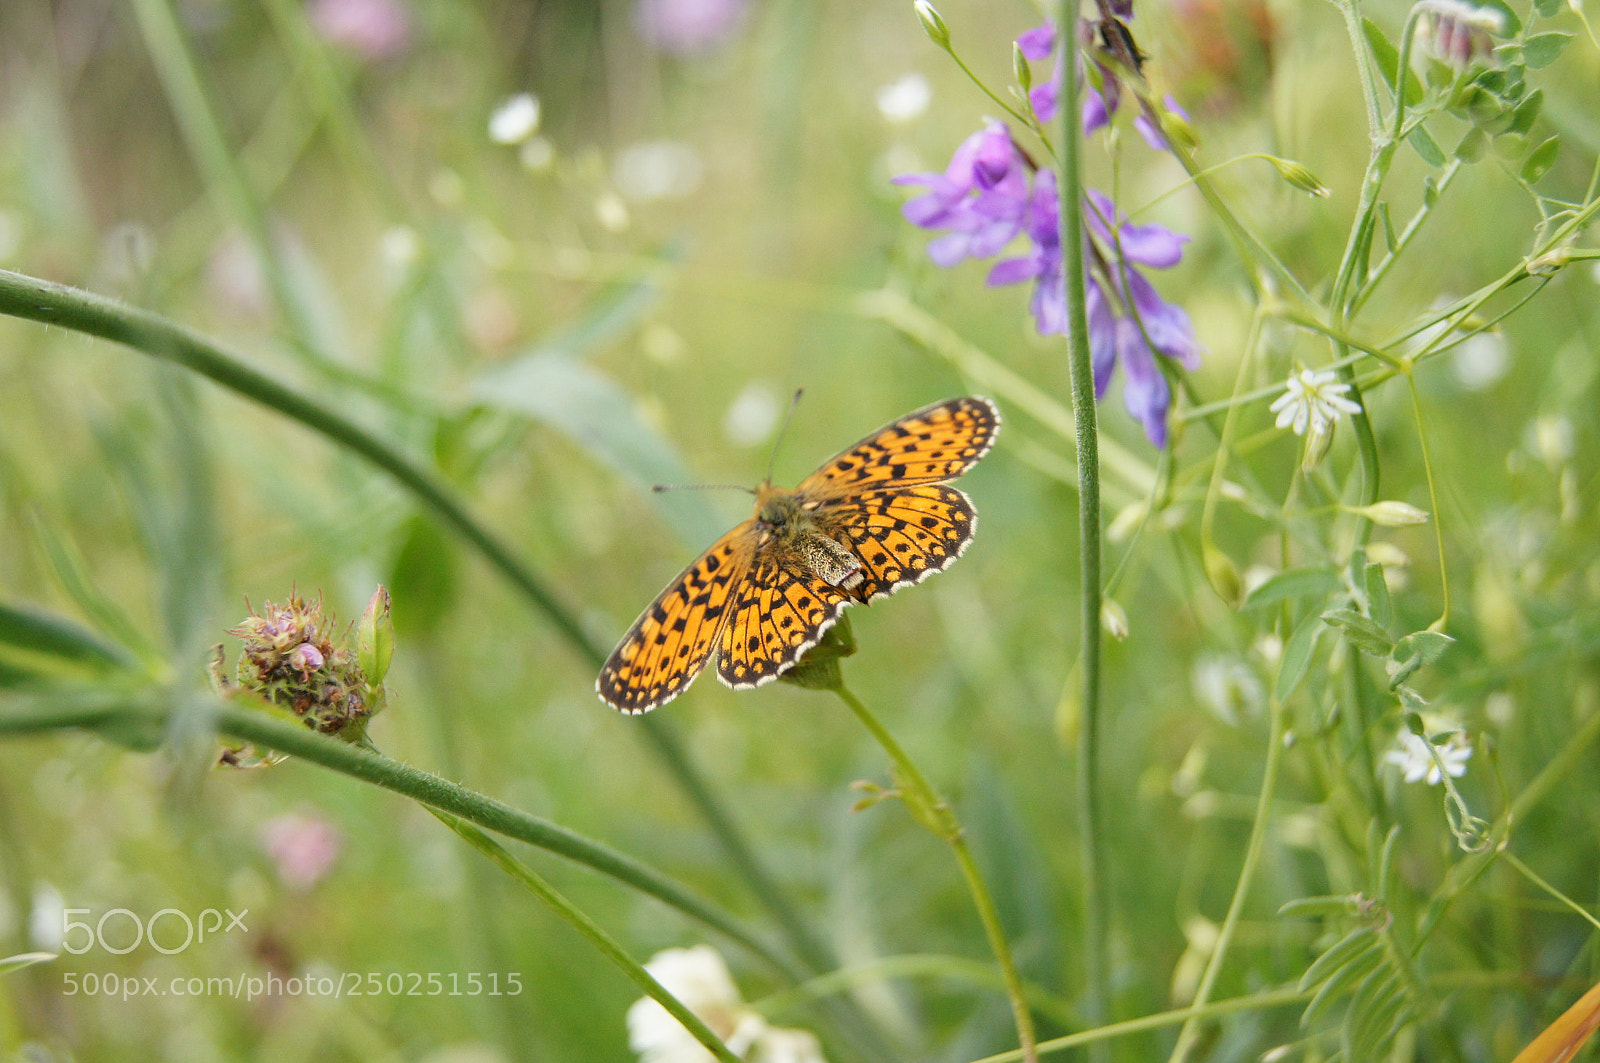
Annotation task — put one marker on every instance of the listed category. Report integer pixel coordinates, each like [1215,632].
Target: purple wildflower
[1043,262]
[991,193]
[1131,338]
[981,197]
[1098,104]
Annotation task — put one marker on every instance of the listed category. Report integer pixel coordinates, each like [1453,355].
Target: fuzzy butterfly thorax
[875,518]
[786,521]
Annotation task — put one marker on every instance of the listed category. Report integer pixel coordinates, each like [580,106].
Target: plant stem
[135,716]
[931,810]
[1070,186]
[219,164]
[1272,998]
[591,930]
[1241,890]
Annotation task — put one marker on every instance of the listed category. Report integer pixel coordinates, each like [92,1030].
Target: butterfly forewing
[783,613]
[668,645]
[934,444]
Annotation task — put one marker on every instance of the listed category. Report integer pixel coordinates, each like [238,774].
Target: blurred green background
[626,290]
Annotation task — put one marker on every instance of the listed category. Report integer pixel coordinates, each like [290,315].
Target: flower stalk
[604,943]
[1090,859]
[932,811]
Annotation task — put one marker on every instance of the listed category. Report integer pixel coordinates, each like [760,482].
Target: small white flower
[1416,762]
[515,120]
[1479,17]
[1228,687]
[904,100]
[789,1046]
[1314,400]
[699,978]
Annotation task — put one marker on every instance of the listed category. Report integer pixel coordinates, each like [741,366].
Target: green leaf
[107,616]
[54,636]
[558,390]
[24,959]
[1473,147]
[1297,654]
[1425,146]
[1384,52]
[1387,57]
[1542,49]
[1527,112]
[1360,631]
[1428,645]
[375,638]
[1355,968]
[1378,605]
[1331,904]
[424,575]
[1338,955]
[1413,652]
[1548,8]
[1540,160]
[1293,583]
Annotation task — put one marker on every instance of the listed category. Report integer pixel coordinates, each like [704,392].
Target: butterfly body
[875,518]
[787,525]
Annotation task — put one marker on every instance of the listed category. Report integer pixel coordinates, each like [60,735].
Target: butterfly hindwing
[783,613]
[932,445]
[668,645]
[901,536]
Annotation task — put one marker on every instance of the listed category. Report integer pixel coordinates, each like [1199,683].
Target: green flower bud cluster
[291,659]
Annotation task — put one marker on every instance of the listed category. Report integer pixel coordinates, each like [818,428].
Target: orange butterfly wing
[901,536]
[932,445]
[668,645]
[782,614]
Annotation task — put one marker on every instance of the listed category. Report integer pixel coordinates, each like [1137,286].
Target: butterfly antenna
[783,430]
[659,488]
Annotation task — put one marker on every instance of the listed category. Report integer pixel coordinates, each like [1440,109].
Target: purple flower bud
[1038,43]
[305,658]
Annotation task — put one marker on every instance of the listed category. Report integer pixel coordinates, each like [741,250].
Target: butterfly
[876,517]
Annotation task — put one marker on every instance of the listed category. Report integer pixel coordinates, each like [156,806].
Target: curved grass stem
[604,943]
[1241,891]
[931,810]
[139,719]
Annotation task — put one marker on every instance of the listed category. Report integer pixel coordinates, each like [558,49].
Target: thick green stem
[132,718]
[931,810]
[1070,185]
[1241,890]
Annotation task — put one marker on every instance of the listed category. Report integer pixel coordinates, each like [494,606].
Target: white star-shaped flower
[1415,760]
[1313,399]
[699,978]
